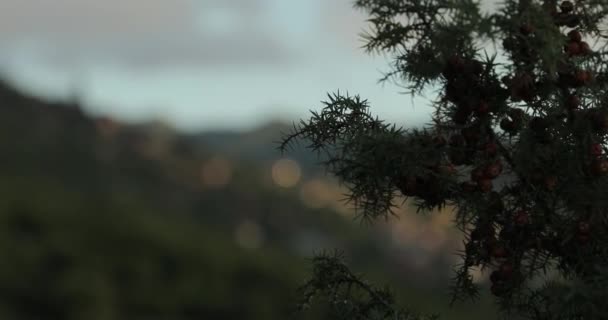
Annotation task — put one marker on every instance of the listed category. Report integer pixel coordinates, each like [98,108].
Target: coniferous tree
[516,146]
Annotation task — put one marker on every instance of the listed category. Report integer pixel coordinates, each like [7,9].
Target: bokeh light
[286,173]
[216,172]
[316,194]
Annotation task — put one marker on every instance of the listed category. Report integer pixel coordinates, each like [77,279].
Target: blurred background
[139,173]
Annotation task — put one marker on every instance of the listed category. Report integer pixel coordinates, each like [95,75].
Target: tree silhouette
[516,147]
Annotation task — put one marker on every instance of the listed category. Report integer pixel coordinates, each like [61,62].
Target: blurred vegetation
[80,262]
[101,220]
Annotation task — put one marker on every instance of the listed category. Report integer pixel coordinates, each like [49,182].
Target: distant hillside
[108,220]
[258,145]
[103,220]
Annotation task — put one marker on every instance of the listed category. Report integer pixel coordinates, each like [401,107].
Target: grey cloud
[171,52]
[139,33]
[92,18]
[346,23]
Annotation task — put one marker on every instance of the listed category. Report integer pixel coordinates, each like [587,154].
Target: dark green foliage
[349,296]
[71,261]
[372,158]
[516,145]
[420,35]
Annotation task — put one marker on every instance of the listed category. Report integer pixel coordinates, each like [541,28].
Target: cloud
[344,22]
[92,18]
[347,23]
[141,33]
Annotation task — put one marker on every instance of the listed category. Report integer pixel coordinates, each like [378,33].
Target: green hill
[104,220]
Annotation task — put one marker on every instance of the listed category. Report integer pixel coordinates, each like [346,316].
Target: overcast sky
[199,64]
